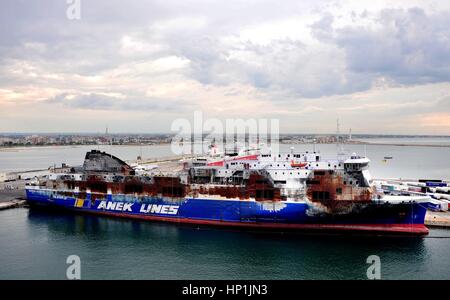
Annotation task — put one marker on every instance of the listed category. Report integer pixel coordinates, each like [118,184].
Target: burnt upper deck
[101,162]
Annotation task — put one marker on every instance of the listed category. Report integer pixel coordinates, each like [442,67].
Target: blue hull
[375,217]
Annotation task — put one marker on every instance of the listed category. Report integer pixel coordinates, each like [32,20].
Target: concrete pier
[169,165]
[437,219]
[11,204]
[12,194]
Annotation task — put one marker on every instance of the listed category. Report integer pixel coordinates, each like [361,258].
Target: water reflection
[136,249]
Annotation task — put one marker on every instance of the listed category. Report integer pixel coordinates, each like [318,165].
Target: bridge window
[264,194]
[320,195]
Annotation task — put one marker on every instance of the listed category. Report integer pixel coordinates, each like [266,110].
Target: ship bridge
[356,163]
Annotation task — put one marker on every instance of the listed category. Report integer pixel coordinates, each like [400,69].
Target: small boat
[388,157]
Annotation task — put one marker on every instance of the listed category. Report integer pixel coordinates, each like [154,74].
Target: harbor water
[34,243]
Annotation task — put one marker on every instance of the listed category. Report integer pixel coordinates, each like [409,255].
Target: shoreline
[22,147]
[375,144]
[398,144]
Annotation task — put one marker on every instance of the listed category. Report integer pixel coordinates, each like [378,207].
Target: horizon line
[171,133]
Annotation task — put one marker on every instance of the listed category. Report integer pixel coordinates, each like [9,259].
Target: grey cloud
[407,47]
[410,46]
[89,101]
[95,101]
[443,104]
[92,45]
[283,65]
[322,29]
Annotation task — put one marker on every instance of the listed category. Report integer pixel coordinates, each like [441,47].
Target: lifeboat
[298,164]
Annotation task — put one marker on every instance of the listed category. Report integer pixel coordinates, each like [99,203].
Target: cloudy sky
[135,66]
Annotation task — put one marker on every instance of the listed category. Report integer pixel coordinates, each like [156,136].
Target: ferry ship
[265,191]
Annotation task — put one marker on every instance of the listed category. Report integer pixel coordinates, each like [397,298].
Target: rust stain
[257,186]
[335,191]
[261,188]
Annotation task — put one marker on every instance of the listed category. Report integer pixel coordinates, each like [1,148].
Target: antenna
[337,134]
[192,144]
[340,150]
[338,131]
[108,139]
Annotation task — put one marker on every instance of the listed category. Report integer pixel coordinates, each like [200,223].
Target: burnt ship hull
[372,217]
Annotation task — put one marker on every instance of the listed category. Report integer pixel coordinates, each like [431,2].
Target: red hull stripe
[419,229]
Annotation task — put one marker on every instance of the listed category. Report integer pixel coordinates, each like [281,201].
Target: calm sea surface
[34,244]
